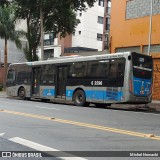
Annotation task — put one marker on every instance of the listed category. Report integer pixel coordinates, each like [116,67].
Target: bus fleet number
[96,83]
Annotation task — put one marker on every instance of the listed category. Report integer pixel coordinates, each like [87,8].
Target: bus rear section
[140,81]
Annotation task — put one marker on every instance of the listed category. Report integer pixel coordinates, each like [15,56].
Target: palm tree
[8,32]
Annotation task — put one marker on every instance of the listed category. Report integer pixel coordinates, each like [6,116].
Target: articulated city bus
[99,79]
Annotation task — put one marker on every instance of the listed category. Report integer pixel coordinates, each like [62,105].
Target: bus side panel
[114,94]
[13,90]
[99,94]
[47,92]
[28,90]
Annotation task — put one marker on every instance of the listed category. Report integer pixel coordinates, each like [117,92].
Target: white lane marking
[40,147]
[47,108]
[2,134]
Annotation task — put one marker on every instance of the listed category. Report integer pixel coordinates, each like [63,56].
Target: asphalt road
[33,125]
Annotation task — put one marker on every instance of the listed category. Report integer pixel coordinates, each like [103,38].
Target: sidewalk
[154,106]
[3,94]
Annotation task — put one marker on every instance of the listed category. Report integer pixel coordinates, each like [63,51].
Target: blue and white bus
[99,79]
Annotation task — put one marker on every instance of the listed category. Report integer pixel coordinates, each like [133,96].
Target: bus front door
[61,81]
[36,81]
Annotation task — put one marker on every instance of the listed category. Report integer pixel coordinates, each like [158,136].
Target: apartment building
[92,34]
[130,31]
[51,47]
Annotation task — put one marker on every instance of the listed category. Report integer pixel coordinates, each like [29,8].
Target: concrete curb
[154,106]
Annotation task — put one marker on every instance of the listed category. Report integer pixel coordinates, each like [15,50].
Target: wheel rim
[79,98]
[21,93]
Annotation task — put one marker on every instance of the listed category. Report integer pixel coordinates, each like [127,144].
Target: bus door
[36,81]
[61,81]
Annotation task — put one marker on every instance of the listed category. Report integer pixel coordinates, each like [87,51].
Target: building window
[108,10]
[106,42]
[107,23]
[100,20]
[99,37]
[101,3]
[79,32]
[49,38]
[49,53]
[80,14]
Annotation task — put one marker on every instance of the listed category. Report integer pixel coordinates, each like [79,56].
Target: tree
[58,17]
[4,2]
[8,32]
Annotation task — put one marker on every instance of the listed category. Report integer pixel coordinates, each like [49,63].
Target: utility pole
[42,33]
[150,26]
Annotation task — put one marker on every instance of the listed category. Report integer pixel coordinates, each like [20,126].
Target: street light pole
[150,26]
[42,34]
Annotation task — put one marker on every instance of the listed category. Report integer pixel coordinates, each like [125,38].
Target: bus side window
[120,74]
[113,69]
[23,77]
[77,69]
[11,76]
[116,73]
[120,70]
[113,73]
[98,69]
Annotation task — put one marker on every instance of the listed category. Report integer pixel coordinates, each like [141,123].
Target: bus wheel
[22,93]
[79,98]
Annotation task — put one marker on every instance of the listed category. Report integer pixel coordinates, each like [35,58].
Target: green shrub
[1,87]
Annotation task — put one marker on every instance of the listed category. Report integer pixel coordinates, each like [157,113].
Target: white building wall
[89,27]
[15,55]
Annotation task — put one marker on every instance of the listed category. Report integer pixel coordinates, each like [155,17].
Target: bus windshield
[142,65]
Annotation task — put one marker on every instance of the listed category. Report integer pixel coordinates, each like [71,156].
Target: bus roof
[75,58]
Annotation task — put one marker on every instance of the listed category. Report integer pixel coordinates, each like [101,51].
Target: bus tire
[79,98]
[22,93]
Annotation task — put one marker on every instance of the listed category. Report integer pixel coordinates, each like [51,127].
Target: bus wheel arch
[79,97]
[21,93]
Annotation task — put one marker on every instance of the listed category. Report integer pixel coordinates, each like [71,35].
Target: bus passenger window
[23,77]
[98,69]
[77,69]
[116,73]
[113,70]
[11,76]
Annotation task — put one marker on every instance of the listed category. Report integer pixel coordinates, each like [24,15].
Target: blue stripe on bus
[98,95]
[69,94]
[48,92]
